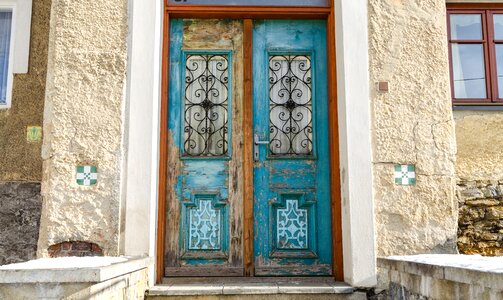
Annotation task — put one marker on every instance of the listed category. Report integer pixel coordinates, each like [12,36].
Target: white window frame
[19,50]
[10,76]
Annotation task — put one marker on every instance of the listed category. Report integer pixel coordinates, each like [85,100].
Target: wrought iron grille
[290,105]
[206,105]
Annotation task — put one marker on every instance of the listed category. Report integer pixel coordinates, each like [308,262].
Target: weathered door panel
[204,201]
[291,172]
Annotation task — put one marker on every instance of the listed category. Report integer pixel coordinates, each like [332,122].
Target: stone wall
[20,159]
[479,169]
[77,278]
[480,217]
[445,277]
[20,206]
[84,123]
[412,124]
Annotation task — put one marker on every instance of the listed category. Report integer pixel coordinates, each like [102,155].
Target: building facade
[253,140]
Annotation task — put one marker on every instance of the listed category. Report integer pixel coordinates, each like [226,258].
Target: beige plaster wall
[20,160]
[480,145]
[412,124]
[83,122]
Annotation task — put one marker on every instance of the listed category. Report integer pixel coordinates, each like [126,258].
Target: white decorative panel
[292,226]
[204,223]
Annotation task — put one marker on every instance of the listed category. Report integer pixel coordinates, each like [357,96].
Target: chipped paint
[305,179]
[217,178]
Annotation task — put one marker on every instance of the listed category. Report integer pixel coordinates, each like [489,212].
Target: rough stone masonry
[480,217]
[20,206]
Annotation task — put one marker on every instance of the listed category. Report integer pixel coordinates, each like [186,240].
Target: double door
[291,187]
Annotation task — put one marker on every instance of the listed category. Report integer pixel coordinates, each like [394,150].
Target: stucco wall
[478,136]
[20,160]
[412,124]
[83,123]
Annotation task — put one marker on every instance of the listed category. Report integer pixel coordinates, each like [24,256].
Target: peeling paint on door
[291,176]
[204,201]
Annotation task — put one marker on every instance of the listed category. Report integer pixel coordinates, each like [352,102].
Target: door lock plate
[256,143]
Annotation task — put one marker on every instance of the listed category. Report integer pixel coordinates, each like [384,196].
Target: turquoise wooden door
[204,209]
[292,232]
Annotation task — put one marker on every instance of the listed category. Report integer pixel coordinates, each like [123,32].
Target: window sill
[498,107]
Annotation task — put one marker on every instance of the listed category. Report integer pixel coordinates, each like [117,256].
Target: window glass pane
[466,26]
[498,27]
[206,105]
[253,2]
[291,105]
[5,33]
[469,71]
[499,62]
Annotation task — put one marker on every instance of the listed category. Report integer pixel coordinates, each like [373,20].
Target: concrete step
[253,289]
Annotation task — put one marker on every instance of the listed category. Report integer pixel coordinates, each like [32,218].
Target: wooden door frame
[247,14]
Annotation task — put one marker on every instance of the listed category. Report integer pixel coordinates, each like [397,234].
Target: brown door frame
[248,13]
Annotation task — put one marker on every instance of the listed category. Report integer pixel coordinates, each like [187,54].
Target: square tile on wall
[405,174]
[34,134]
[87,175]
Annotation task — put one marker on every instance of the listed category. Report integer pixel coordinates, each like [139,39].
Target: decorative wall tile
[34,134]
[87,175]
[405,174]
[292,226]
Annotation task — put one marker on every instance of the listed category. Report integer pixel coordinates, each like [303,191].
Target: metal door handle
[256,143]
[259,142]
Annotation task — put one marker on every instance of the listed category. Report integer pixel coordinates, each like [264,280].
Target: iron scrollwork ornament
[206,105]
[291,105]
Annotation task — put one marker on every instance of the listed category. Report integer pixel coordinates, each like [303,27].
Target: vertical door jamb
[333,125]
[163,144]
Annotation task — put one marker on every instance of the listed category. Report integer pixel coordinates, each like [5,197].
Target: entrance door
[291,169]
[204,208]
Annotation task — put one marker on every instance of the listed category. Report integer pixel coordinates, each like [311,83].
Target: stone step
[253,289]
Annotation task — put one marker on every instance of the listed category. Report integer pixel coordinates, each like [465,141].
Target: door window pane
[469,71]
[498,26]
[206,105]
[5,33]
[466,26]
[291,105]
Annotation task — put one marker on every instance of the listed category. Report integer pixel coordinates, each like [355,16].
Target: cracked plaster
[412,124]
[83,123]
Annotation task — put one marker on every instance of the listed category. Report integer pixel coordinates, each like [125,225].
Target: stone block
[472,194]
[494,213]
[490,191]
[487,236]
[482,202]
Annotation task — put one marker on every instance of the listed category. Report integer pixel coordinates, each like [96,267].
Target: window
[206,105]
[15,25]
[476,55]
[5,56]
